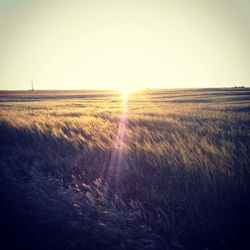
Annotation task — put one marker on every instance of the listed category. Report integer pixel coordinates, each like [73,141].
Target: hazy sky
[77,44]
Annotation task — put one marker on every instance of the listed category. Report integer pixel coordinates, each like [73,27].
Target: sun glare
[125,90]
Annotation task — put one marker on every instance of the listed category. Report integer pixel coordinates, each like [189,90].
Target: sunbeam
[117,156]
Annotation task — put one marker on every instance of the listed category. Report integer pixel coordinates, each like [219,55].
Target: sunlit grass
[182,155]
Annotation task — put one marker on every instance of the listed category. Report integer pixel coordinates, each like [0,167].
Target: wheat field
[157,169]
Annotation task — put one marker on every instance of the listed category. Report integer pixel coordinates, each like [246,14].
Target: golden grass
[193,134]
[186,151]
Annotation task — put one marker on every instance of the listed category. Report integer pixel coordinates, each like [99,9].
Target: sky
[124,44]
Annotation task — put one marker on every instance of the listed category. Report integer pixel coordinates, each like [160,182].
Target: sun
[125,91]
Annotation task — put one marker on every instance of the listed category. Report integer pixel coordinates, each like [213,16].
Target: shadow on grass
[52,197]
[49,200]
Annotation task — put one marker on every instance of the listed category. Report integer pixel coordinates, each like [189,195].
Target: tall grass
[183,182]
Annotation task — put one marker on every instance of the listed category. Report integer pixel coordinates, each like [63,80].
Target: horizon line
[117,90]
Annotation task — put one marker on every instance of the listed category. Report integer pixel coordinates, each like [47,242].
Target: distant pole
[32,87]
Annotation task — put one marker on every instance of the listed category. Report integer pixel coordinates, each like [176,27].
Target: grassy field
[157,169]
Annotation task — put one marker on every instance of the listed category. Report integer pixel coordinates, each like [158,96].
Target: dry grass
[182,181]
